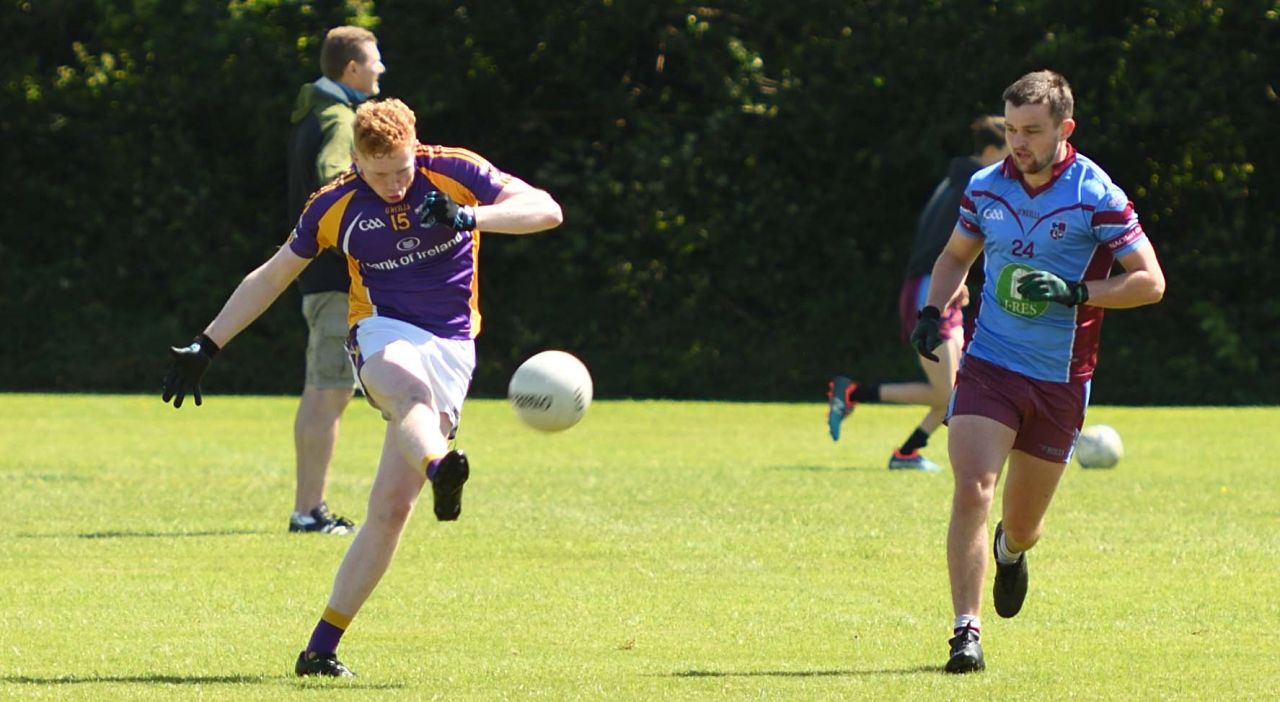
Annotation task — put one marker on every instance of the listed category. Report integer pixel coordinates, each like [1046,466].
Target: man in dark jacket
[933,229]
[320,150]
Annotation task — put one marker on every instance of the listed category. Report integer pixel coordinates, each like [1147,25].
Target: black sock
[866,392]
[918,440]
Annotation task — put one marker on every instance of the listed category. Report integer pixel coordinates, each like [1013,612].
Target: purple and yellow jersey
[399,269]
[1074,226]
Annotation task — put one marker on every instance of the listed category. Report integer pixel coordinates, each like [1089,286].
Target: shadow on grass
[167,534]
[145,679]
[187,680]
[823,469]
[840,673]
[147,534]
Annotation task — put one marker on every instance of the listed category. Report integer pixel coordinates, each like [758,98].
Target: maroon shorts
[911,299]
[1047,416]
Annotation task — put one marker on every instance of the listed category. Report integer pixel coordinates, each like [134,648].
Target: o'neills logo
[529,400]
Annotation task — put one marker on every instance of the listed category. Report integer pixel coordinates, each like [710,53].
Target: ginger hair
[384,126]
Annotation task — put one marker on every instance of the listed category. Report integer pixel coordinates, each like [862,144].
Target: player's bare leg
[315,435]
[396,380]
[1029,487]
[978,447]
[391,500]
[935,394]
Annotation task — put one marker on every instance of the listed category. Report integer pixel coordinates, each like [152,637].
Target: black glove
[1040,286]
[439,208]
[927,335]
[189,365]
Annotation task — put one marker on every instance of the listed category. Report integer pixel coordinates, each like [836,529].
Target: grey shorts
[328,364]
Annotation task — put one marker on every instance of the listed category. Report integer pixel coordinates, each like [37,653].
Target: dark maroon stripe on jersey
[1012,210]
[1084,347]
[1112,217]
[1060,210]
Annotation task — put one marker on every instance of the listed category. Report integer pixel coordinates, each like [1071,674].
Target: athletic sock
[430,464]
[1004,554]
[866,392]
[970,622]
[328,632]
[918,440]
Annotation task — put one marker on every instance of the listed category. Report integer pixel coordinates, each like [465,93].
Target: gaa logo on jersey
[1010,299]
[1057,230]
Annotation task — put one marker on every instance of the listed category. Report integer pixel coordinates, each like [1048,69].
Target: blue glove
[439,208]
[189,364]
[1040,286]
[927,334]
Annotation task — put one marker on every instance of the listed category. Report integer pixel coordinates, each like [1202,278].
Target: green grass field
[660,550]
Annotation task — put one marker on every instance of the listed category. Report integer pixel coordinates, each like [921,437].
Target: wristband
[1079,294]
[206,345]
[929,312]
[466,218]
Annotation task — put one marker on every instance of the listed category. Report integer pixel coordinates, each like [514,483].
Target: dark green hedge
[740,182]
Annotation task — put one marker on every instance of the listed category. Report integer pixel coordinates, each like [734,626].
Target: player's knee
[974,494]
[400,399]
[391,515]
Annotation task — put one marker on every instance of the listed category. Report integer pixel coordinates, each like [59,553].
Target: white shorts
[449,363]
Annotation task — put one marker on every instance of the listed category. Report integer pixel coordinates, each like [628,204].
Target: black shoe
[322,664]
[321,521]
[966,653]
[446,486]
[1011,581]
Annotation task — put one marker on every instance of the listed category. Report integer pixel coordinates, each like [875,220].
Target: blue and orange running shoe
[912,461]
[839,405]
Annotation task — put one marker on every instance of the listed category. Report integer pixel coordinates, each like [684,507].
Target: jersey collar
[1011,171]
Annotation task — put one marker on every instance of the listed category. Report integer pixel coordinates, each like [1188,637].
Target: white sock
[1003,553]
[968,621]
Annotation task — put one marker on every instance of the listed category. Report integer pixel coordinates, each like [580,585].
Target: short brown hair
[988,130]
[384,126]
[1045,87]
[341,46]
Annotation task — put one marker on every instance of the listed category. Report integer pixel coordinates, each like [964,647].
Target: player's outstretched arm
[249,300]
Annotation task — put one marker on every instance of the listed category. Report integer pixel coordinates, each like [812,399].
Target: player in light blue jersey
[408,219]
[1051,223]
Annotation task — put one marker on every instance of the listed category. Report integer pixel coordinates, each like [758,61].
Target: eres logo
[997,215]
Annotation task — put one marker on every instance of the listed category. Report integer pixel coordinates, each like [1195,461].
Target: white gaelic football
[550,391]
[1099,447]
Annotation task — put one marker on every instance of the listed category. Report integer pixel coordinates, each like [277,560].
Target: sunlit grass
[660,550]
